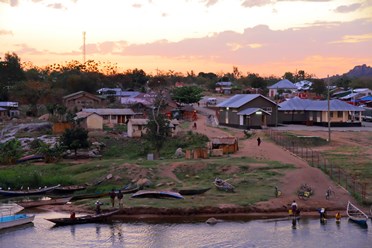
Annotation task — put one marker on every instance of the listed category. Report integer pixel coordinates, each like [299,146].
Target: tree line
[32,85]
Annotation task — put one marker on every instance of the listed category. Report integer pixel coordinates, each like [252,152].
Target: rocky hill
[359,71]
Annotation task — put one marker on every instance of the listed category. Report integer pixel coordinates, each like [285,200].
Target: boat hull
[15,220]
[33,204]
[193,191]
[157,194]
[83,219]
[10,193]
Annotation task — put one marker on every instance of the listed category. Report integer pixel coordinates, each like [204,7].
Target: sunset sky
[269,37]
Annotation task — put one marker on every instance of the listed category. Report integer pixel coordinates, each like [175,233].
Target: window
[105,117]
[268,109]
[331,113]
[113,117]
[339,114]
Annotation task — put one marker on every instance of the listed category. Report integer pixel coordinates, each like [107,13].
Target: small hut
[227,144]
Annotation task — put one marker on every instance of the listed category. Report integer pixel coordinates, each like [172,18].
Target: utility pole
[329,113]
[84,47]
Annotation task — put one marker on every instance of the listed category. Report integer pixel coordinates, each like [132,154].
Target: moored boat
[68,189]
[157,194]
[355,214]
[8,221]
[193,191]
[223,185]
[98,218]
[89,196]
[55,201]
[27,192]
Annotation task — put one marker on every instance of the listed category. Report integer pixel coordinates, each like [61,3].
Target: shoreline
[158,215]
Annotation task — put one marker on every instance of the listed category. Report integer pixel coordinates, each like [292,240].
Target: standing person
[294,207]
[120,198]
[258,141]
[194,125]
[98,207]
[112,197]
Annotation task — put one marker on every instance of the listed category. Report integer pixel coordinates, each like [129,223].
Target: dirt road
[292,180]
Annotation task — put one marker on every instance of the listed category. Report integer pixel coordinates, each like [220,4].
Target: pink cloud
[5,32]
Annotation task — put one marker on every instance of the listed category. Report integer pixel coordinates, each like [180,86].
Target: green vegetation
[253,183]
[306,141]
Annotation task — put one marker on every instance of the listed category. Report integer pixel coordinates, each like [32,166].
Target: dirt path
[292,179]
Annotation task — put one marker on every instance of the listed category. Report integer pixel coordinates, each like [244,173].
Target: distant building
[315,112]
[283,85]
[9,109]
[247,111]
[224,87]
[81,99]
[112,116]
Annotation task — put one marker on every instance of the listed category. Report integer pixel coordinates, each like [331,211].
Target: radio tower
[84,47]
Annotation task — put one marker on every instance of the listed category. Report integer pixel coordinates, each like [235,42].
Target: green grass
[252,183]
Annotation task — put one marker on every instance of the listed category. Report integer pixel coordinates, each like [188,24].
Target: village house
[112,116]
[224,145]
[81,99]
[89,120]
[9,110]
[247,111]
[223,87]
[283,86]
[315,112]
[137,127]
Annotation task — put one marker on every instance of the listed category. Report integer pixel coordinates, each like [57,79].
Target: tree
[256,81]
[11,70]
[75,139]
[187,94]
[289,76]
[343,82]
[319,87]
[10,151]
[51,154]
[157,127]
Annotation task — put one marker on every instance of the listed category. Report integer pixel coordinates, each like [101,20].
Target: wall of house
[298,117]
[81,102]
[230,117]
[94,122]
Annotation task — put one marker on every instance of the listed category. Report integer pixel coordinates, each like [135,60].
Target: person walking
[120,198]
[258,141]
[112,197]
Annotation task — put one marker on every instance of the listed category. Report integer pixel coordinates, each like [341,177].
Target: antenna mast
[84,47]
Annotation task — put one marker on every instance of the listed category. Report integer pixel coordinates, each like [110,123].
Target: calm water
[257,233]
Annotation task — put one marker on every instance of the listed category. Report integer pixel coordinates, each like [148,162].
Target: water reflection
[258,233]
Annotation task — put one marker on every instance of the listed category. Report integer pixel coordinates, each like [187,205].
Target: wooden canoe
[39,191]
[356,215]
[157,194]
[68,189]
[33,204]
[98,218]
[15,220]
[89,196]
[193,191]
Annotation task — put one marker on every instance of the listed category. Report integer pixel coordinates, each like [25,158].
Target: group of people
[295,211]
[118,195]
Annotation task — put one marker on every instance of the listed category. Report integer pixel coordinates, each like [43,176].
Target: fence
[316,159]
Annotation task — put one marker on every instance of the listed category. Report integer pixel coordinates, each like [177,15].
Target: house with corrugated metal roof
[81,99]
[283,85]
[315,112]
[112,116]
[247,111]
[89,121]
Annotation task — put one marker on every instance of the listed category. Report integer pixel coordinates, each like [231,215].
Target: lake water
[256,233]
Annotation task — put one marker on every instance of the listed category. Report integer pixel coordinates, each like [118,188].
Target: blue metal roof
[315,105]
[250,111]
[239,100]
[283,84]
[366,98]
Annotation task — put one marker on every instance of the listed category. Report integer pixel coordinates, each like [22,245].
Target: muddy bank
[149,214]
